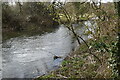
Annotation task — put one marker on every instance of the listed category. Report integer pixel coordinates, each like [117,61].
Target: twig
[89,49]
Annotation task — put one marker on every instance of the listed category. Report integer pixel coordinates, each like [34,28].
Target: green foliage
[114,60]
[110,48]
[81,9]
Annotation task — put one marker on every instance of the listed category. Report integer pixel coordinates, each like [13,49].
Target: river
[29,57]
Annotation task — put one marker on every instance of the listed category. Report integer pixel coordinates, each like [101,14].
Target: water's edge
[29,57]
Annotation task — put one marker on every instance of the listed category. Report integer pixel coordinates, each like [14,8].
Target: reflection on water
[29,57]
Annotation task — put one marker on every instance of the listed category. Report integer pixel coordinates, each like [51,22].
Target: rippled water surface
[29,57]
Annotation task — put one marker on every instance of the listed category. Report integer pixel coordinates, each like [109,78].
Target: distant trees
[10,18]
[19,16]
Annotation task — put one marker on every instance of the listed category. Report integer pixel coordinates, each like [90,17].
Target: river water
[29,57]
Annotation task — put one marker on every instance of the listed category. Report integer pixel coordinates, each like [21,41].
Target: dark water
[29,57]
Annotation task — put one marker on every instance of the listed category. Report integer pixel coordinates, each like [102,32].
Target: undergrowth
[81,64]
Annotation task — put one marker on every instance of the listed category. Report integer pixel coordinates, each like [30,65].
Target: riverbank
[81,64]
[29,31]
